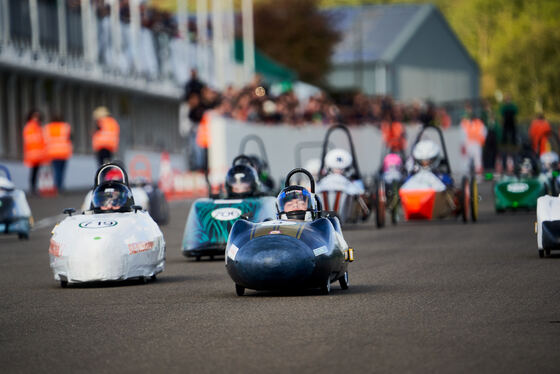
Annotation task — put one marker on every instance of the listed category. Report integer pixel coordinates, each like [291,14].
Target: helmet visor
[294,200]
[110,198]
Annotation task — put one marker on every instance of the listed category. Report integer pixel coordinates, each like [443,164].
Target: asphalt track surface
[424,297]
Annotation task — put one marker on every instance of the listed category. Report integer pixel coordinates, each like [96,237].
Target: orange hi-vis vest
[393,135]
[107,137]
[203,133]
[475,130]
[34,152]
[538,132]
[57,140]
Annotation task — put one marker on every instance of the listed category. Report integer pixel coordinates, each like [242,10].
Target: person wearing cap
[105,141]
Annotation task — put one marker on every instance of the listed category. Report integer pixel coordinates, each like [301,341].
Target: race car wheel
[153,278]
[197,258]
[547,252]
[344,283]
[63,283]
[394,203]
[239,290]
[474,200]
[541,253]
[380,203]
[465,198]
[326,289]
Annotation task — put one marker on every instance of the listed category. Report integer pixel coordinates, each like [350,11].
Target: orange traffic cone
[46,185]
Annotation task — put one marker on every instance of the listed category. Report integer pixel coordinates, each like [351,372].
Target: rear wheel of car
[465,198]
[197,258]
[344,283]
[380,203]
[541,253]
[474,200]
[239,290]
[63,283]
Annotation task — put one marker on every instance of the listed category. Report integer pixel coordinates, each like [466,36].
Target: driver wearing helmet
[111,196]
[241,181]
[427,155]
[296,203]
[339,161]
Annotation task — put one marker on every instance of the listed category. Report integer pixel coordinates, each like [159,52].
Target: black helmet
[295,202]
[111,196]
[241,181]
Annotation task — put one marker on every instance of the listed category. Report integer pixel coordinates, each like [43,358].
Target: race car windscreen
[113,197]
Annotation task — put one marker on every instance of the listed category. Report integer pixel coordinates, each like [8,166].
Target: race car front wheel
[465,198]
[239,290]
[474,200]
[380,202]
[344,283]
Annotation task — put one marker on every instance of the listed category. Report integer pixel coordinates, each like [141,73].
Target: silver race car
[112,240]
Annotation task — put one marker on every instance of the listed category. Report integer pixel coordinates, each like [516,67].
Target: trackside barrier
[178,185]
[139,167]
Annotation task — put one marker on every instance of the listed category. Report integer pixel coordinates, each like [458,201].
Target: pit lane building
[406,51]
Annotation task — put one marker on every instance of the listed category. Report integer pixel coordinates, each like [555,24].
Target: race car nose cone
[271,262]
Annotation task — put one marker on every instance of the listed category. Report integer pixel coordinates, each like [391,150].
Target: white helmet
[338,159]
[427,153]
[549,160]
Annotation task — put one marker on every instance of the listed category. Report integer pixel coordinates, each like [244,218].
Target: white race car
[340,184]
[548,224]
[113,240]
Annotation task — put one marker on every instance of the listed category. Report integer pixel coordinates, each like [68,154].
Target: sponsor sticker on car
[54,249]
[134,248]
[518,187]
[226,214]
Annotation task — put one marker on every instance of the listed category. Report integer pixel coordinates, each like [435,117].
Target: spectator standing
[57,135]
[393,133]
[34,152]
[490,151]
[105,140]
[508,111]
[538,132]
[194,85]
[475,135]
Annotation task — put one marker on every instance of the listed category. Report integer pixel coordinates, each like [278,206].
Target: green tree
[297,34]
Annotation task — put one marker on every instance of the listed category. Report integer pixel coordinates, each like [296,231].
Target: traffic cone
[46,185]
[166,175]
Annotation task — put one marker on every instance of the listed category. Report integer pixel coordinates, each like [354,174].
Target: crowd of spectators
[150,17]
[255,103]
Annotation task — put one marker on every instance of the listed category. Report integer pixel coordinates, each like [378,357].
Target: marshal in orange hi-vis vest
[57,140]
[34,152]
[107,137]
[203,133]
[475,130]
[393,135]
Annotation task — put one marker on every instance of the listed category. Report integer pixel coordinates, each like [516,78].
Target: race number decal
[517,187]
[97,224]
[226,214]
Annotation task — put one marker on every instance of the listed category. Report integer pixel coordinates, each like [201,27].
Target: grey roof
[384,30]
